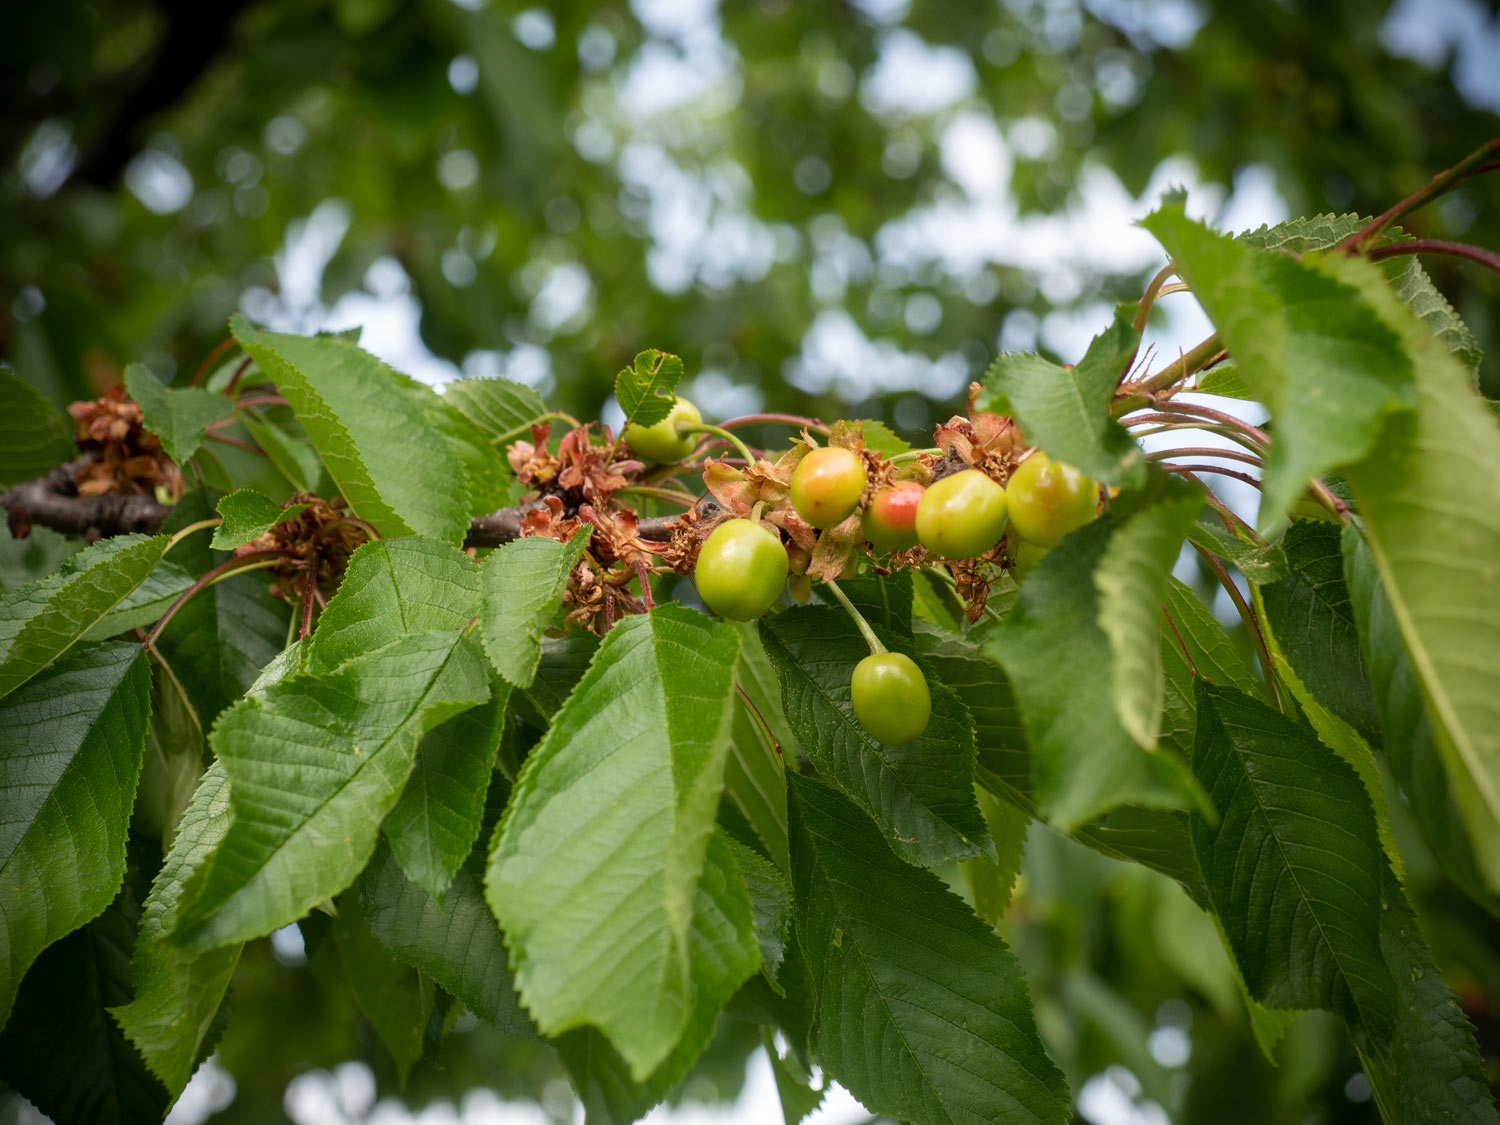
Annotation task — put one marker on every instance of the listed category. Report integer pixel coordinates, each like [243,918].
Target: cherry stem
[221,571]
[1247,616]
[1434,246]
[720,432]
[876,648]
[783,419]
[219,349]
[183,533]
[238,443]
[1182,644]
[1192,409]
[1476,163]
[352,521]
[761,719]
[307,605]
[671,494]
[912,455]
[1206,451]
[1201,355]
[261,400]
[1246,477]
[1148,298]
[1176,422]
[234,380]
[525,427]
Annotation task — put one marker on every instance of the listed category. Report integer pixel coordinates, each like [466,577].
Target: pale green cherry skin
[962,516]
[1027,555]
[827,484]
[741,570]
[664,443]
[1048,499]
[891,698]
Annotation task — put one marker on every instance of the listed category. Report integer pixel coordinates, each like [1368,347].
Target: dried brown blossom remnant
[317,544]
[580,471]
[127,458]
[984,441]
[972,585]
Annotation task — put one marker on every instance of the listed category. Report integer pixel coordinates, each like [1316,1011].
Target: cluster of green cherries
[743,566]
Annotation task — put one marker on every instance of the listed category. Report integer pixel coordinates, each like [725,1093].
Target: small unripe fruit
[961,516]
[741,570]
[1048,499]
[891,698]
[827,485]
[890,522]
[1027,554]
[664,443]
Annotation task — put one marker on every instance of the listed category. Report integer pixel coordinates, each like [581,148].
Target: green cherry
[664,443]
[827,485]
[741,570]
[890,696]
[961,516]
[1048,499]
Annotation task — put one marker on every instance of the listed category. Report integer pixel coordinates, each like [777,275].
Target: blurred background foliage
[835,208]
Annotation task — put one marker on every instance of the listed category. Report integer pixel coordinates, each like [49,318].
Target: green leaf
[25,560]
[173,760]
[293,458]
[1294,867]
[564,661]
[1415,289]
[922,1011]
[1298,236]
[60,1050]
[395,587]
[1213,653]
[793,1089]
[180,418]
[35,436]
[489,481]
[1065,411]
[249,515]
[1329,366]
[457,943]
[881,438]
[1160,839]
[499,407]
[314,763]
[644,390]
[606,831]
[74,738]
[1406,729]
[1429,499]
[723,954]
[1311,616]
[40,622]
[395,998]
[754,776]
[1058,660]
[521,587]
[1427,1067]
[921,793]
[1131,581]
[438,817]
[1259,563]
[885,600]
[1226,382]
[770,903]
[145,604]
[178,993]
[984,691]
[991,881]
[389,463]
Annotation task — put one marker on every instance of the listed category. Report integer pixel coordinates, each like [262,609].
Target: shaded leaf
[921,792]
[61,1050]
[1411,284]
[922,1011]
[457,944]
[35,436]
[394,997]
[1294,866]
[177,993]
[294,459]
[73,741]
[498,407]
[754,774]
[1259,563]
[991,881]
